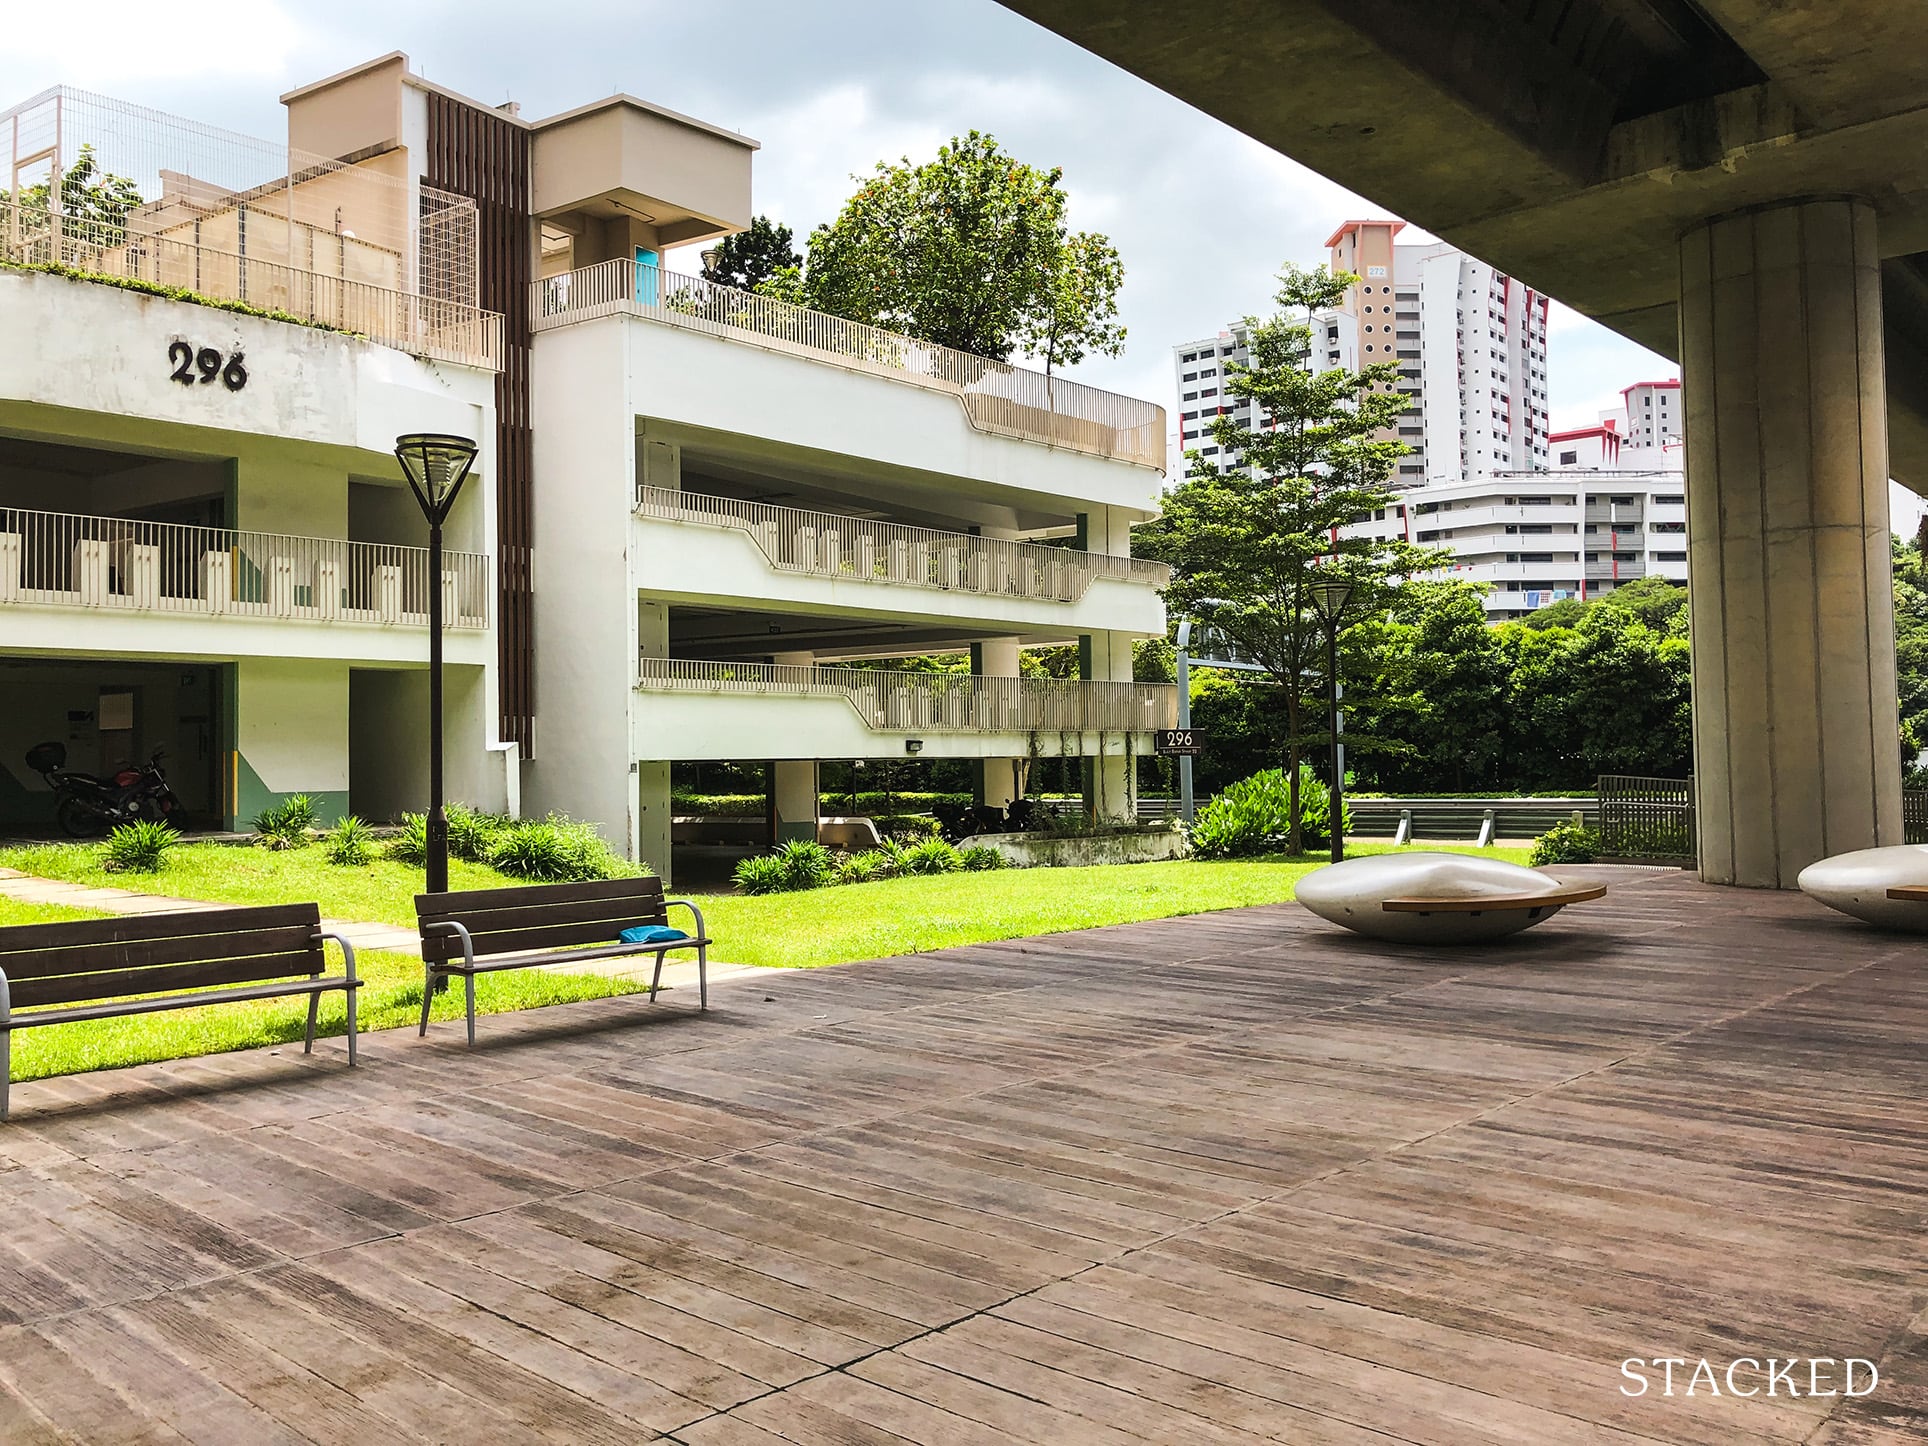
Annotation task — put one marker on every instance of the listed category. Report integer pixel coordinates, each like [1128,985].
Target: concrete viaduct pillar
[1795,746]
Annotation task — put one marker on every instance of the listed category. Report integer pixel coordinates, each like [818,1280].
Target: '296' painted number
[208,364]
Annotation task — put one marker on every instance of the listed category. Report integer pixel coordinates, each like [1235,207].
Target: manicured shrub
[556,849]
[807,864]
[1254,816]
[762,874]
[410,846]
[472,833]
[352,843]
[1566,843]
[138,848]
[862,868]
[979,858]
[908,827]
[930,856]
[285,824]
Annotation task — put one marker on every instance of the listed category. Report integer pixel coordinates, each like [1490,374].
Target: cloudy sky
[1202,215]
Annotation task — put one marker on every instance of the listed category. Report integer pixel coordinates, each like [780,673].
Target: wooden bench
[95,968]
[483,930]
[1496,903]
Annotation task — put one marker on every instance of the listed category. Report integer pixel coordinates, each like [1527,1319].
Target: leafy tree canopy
[970,250]
[750,259]
[94,202]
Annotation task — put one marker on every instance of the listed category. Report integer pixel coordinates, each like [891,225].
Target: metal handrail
[827,544]
[894,702]
[997,397]
[421,325]
[57,559]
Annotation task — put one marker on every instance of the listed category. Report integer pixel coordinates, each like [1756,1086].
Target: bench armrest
[347,953]
[456,927]
[6,1009]
[668,904]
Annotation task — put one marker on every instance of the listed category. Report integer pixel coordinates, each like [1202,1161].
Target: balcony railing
[893,702]
[856,549]
[421,325]
[1006,400]
[54,559]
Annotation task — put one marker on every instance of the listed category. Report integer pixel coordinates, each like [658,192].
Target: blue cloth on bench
[651,934]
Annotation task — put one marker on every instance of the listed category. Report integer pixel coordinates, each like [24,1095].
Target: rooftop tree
[749,260]
[970,251]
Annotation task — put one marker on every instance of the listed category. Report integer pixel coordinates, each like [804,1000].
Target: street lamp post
[436,466]
[1329,594]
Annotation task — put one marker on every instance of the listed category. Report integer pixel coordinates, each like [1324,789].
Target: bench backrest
[538,916]
[89,960]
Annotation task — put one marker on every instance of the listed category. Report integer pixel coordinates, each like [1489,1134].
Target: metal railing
[1642,817]
[56,559]
[997,397]
[896,702]
[421,325]
[857,549]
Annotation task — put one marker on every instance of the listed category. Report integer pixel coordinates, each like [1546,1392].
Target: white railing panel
[895,702]
[857,549]
[57,559]
[997,397]
[421,325]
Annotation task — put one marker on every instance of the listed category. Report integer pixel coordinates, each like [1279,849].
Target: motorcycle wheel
[76,820]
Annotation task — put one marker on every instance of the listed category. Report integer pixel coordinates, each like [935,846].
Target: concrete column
[998,778]
[1795,727]
[796,779]
[1106,658]
[653,812]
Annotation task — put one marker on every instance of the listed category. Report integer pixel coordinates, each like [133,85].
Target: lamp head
[1328,595]
[436,465]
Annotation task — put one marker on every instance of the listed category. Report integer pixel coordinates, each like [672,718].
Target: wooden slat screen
[484,155]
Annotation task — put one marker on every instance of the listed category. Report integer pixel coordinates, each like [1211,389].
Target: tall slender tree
[1248,544]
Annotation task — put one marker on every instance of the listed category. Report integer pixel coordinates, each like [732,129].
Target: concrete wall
[586,618]
[860,419]
[388,743]
[291,734]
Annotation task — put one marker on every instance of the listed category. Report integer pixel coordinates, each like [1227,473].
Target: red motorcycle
[86,806]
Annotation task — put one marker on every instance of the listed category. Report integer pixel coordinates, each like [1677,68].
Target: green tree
[1911,649]
[1610,695]
[750,259]
[1445,689]
[1654,600]
[94,202]
[1249,543]
[970,251]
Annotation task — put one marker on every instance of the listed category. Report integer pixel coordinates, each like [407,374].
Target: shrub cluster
[137,848]
[1566,843]
[1254,816]
[556,849]
[287,824]
[806,864]
[352,843]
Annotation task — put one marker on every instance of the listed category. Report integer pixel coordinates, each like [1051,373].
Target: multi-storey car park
[701,518]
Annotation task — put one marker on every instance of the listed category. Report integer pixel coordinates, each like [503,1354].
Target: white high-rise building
[1469,340]
[1610,510]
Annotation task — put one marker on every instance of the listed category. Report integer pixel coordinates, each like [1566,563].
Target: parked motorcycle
[86,806]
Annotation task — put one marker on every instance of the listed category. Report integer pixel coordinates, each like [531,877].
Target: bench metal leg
[314,1013]
[656,978]
[6,1068]
[428,997]
[468,984]
[703,975]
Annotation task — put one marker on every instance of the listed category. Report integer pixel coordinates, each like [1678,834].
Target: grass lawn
[823,926]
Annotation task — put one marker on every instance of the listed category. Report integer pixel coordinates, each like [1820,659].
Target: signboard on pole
[1179,742]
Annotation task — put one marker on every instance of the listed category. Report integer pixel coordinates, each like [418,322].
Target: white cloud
[118,42]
